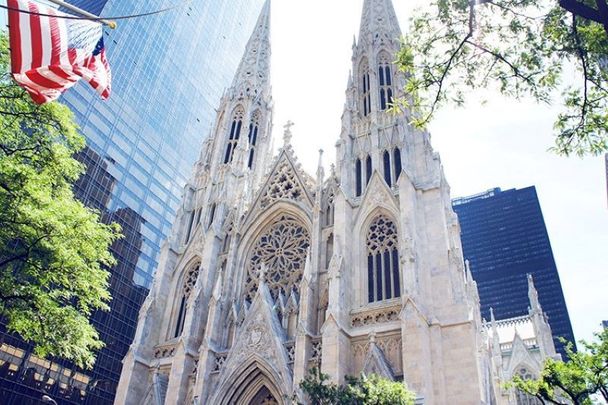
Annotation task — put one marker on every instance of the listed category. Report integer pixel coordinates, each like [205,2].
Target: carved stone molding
[374,316]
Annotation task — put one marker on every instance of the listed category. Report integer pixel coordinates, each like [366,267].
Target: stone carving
[375,316]
[220,359]
[282,249]
[291,351]
[390,346]
[316,355]
[164,351]
[284,185]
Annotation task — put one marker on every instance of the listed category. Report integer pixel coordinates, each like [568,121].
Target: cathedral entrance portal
[264,397]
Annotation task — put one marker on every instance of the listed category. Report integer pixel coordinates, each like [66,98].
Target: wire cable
[98,19]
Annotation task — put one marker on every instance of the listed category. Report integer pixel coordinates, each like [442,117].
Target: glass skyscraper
[504,237]
[169,72]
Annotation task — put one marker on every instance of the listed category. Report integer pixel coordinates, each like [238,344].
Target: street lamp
[48,400]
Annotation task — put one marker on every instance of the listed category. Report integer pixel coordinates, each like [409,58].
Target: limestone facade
[270,271]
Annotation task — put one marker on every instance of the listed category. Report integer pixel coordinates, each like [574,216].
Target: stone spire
[379,21]
[533,296]
[253,73]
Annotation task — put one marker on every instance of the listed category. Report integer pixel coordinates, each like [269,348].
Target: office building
[169,70]
[504,238]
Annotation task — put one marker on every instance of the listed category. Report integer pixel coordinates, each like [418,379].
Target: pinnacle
[379,17]
[254,69]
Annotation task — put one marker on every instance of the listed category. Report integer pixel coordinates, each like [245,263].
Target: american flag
[49,55]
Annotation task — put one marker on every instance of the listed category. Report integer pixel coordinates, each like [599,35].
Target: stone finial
[320,170]
[287,135]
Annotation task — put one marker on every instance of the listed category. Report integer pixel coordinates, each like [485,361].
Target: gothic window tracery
[284,185]
[188,285]
[366,99]
[234,135]
[253,137]
[522,397]
[383,280]
[385,79]
[282,248]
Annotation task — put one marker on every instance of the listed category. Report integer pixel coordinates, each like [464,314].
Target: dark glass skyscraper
[504,238]
[169,70]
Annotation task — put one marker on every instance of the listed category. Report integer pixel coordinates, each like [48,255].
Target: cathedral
[270,271]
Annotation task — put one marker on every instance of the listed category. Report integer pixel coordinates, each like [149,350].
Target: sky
[501,144]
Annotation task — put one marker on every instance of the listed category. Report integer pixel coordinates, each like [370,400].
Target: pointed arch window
[358,178]
[386,158]
[368,169]
[385,79]
[189,281]
[383,276]
[397,163]
[253,137]
[191,224]
[234,135]
[211,214]
[366,99]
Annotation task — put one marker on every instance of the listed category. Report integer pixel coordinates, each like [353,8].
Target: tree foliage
[52,248]
[372,390]
[573,382]
[520,48]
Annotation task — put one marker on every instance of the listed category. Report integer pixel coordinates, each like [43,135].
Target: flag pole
[109,23]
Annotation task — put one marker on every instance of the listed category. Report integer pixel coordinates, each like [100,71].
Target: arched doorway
[264,397]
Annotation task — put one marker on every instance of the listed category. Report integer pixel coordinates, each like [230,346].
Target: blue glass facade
[505,238]
[169,72]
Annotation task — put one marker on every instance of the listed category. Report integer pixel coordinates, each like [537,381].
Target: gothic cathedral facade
[270,271]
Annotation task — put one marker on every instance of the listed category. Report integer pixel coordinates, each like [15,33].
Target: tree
[52,248]
[373,390]
[520,48]
[584,375]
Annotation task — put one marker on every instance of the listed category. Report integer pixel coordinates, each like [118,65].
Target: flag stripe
[49,55]
[15,36]
[36,32]
[55,41]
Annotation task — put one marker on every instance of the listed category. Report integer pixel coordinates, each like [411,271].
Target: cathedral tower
[270,272]
[161,362]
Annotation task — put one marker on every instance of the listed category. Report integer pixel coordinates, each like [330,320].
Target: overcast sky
[502,144]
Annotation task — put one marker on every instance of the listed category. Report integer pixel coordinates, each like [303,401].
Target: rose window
[282,247]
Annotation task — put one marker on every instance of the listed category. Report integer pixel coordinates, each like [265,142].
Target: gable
[284,183]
